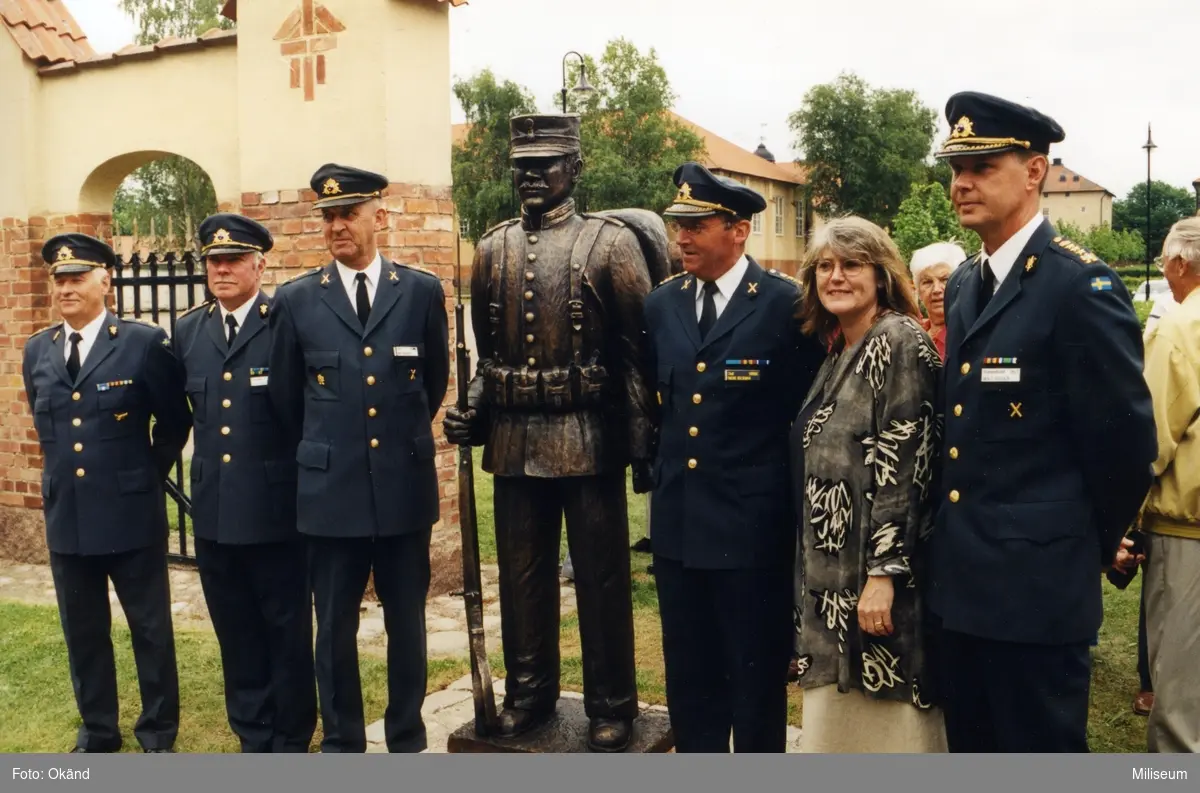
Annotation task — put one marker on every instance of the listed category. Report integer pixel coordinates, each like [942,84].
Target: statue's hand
[643,476]
[462,427]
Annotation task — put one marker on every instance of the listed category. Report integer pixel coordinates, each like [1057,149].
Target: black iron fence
[158,288]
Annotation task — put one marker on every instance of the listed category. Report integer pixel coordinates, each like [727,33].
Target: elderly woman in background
[931,267]
[863,450]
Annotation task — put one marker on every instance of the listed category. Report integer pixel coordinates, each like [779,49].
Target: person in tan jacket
[1171,516]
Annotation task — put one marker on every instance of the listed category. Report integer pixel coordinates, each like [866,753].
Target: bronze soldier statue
[561,404]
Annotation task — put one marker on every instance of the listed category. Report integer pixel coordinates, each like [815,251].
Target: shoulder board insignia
[209,304]
[1076,250]
[303,275]
[501,225]
[670,278]
[145,322]
[56,327]
[605,218]
[784,277]
[417,269]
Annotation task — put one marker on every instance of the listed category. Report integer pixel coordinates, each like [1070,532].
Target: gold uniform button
[696,398]
[533,239]
[700,367]
[370,379]
[226,458]
[79,447]
[367,351]
[225,403]
[529,338]
[958,410]
[79,472]
[954,496]
[529,275]
[953,452]
[693,431]
[224,430]
[76,396]
[372,412]
[533,361]
[529,294]
[692,463]
[529,317]
[533,257]
[374,443]
[228,376]
[76,421]
[966,368]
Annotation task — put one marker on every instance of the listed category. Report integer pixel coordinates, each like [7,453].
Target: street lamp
[1149,147]
[581,87]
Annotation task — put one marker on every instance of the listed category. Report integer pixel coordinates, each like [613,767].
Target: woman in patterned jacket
[863,451]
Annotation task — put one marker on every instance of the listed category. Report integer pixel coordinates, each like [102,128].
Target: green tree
[864,146]
[1168,204]
[632,143]
[483,192]
[1114,247]
[173,192]
[926,216]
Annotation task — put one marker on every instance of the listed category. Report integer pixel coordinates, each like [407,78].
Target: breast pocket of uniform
[663,385]
[408,364]
[43,419]
[120,409]
[196,395]
[322,371]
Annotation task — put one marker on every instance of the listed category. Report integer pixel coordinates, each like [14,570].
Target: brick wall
[419,232]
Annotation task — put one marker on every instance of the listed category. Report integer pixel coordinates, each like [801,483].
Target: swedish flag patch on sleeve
[1101,284]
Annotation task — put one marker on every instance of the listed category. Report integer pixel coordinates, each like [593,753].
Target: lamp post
[581,87]
[1149,147]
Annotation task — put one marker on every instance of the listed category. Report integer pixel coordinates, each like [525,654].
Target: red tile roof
[45,31]
[1062,179]
[138,52]
[229,10]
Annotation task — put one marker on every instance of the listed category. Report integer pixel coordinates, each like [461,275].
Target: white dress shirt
[1005,257]
[240,313]
[348,274]
[726,285]
[89,332]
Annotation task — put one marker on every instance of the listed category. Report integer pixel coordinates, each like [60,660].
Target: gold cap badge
[221,236]
[685,192]
[65,254]
[331,187]
[963,129]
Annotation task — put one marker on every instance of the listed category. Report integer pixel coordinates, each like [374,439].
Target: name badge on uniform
[258,376]
[1006,374]
[405,352]
[742,375]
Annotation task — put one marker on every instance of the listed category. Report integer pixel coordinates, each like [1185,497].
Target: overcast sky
[1101,68]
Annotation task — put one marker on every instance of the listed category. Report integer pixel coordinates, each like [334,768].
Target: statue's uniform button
[529,317]
[533,257]
[528,275]
[533,239]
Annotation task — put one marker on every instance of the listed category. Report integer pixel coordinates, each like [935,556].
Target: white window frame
[756,223]
[780,215]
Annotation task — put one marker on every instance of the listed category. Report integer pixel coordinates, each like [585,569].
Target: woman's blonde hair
[856,238]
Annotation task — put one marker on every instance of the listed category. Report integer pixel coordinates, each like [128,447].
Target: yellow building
[1074,198]
[777,234]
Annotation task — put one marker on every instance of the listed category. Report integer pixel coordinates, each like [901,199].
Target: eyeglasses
[1161,264]
[851,268]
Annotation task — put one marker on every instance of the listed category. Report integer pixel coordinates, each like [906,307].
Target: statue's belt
[557,389]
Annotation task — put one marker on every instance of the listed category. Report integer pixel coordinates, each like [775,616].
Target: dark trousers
[261,608]
[1143,662]
[140,579]
[338,569]
[529,517]
[1008,697]
[727,641]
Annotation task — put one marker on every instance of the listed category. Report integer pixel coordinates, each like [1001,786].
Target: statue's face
[545,182]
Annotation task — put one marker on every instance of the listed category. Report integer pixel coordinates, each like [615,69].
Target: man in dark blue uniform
[1048,443]
[731,369]
[359,366]
[251,558]
[94,382]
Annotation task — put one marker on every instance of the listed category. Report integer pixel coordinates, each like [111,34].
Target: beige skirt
[851,723]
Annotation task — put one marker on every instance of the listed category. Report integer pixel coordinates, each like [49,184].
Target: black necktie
[986,289]
[231,321]
[73,358]
[361,301]
[708,313]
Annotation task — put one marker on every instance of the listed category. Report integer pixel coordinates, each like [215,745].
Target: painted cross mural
[307,34]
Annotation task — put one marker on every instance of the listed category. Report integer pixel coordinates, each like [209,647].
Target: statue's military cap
[552,135]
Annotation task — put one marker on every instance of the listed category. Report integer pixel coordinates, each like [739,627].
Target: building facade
[1070,197]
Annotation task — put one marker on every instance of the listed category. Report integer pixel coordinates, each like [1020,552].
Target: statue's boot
[518,721]
[609,735]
